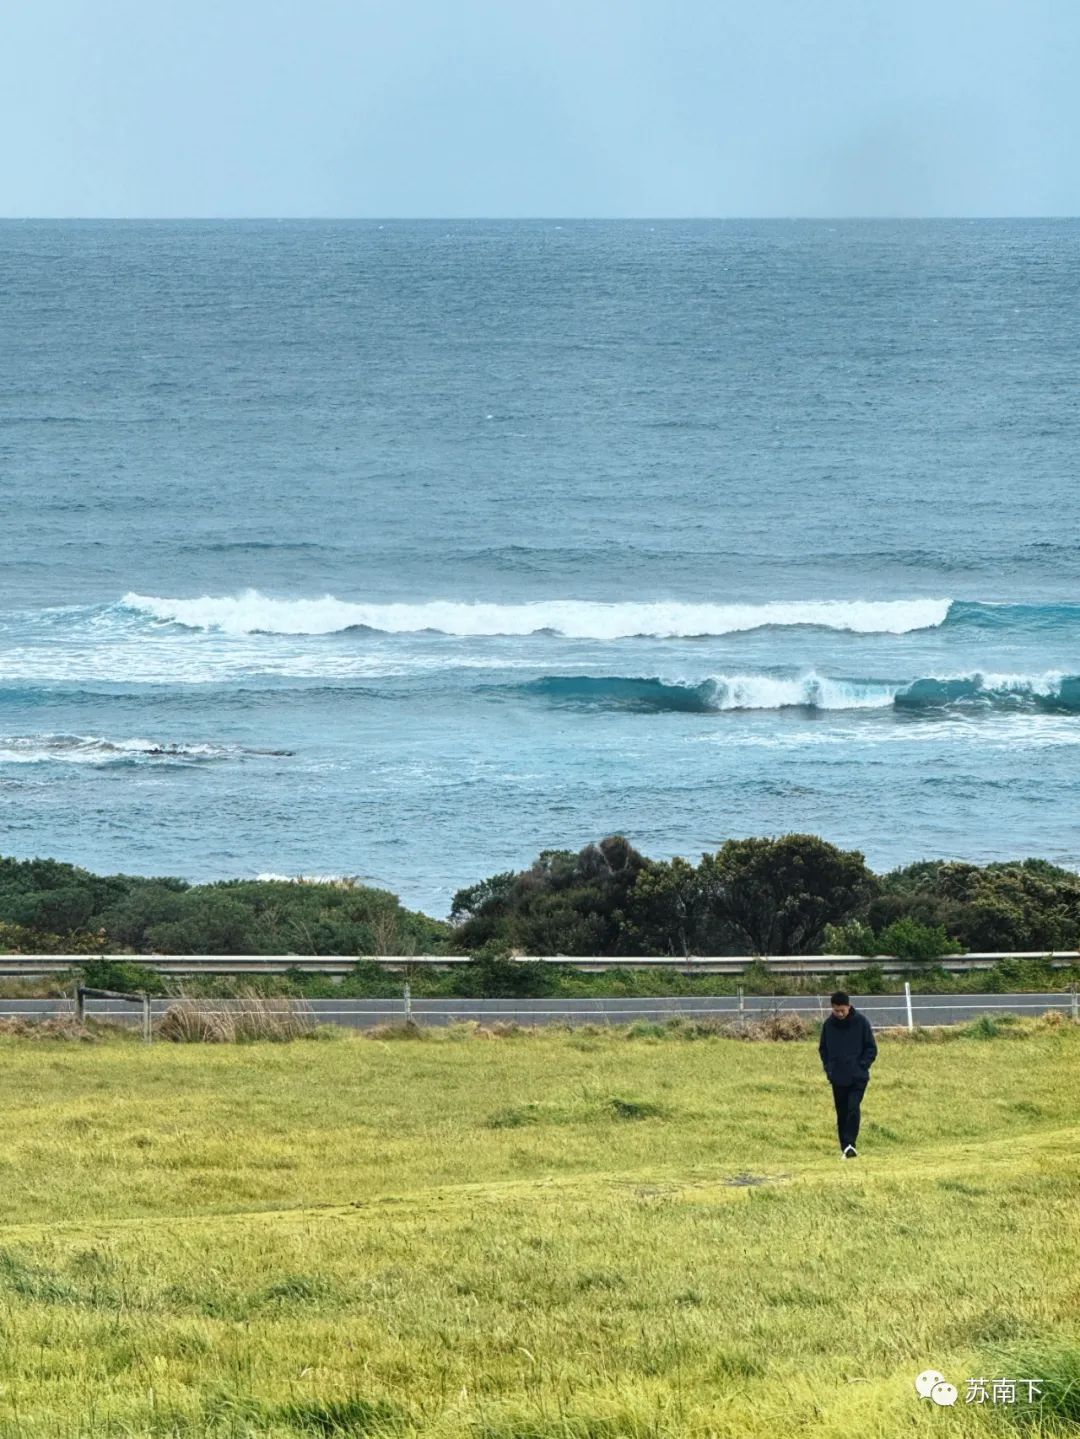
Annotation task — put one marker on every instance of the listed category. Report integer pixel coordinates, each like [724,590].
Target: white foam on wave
[763,692]
[341,881]
[252,612]
[96,750]
[93,749]
[958,733]
[157,660]
[1048,684]
[816,691]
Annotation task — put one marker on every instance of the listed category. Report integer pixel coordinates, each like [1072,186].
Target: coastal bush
[47,895]
[18,939]
[870,979]
[1024,905]
[564,903]
[492,977]
[782,893]
[908,939]
[368,980]
[757,978]
[904,938]
[123,975]
[671,910]
[1005,975]
[52,908]
[775,896]
[793,894]
[855,937]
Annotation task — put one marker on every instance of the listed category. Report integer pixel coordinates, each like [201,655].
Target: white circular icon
[943,1394]
[926,1381]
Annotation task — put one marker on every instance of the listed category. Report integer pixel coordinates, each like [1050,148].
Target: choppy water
[408,550]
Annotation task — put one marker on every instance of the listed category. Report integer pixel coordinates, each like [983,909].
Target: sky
[545,108]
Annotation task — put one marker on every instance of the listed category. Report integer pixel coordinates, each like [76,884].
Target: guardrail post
[742,1006]
[147,1023]
[80,1004]
[1073,1002]
[907,1002]
[408,1004]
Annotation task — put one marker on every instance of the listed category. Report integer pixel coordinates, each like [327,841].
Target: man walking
[847,1050]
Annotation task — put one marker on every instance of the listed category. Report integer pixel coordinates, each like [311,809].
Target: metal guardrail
[30,966]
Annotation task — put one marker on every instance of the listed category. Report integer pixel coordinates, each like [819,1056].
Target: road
[880,1009]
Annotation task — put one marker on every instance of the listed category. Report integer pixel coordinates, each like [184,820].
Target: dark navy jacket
[847,1048]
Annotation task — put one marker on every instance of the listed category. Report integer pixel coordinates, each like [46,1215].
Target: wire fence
[883,1010]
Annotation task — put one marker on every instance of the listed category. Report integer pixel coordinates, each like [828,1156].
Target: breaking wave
[1051,692]
[721,692]
[91,749]
[252,613]
[255,613]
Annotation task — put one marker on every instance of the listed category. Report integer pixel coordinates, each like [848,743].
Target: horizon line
[527,219]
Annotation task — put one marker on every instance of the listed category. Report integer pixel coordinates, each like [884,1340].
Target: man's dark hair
[839,998]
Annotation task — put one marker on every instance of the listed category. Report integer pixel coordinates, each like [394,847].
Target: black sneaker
[849,1152]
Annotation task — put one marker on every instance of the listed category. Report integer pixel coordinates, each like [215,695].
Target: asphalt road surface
[880,1009]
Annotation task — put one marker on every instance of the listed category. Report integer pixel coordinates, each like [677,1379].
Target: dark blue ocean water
[406,550]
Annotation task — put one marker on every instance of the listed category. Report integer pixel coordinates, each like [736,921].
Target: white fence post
[408,1004]
[907,1001]
[742,1006]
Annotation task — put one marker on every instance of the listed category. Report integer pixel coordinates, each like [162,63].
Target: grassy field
[543,1236]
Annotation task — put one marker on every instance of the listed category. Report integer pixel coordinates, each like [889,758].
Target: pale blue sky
[540,107]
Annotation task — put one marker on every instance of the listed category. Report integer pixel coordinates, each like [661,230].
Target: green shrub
[757,978]
[855,937]
[498,978]
[124,975]
[368,980]
[870,979]
[908,939]
[985,1027]
[1006,975]
[646,1029]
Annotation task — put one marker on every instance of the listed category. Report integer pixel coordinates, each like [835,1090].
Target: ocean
[407,550]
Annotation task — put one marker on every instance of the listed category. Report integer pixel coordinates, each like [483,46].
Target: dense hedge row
[48,907]
[792,895]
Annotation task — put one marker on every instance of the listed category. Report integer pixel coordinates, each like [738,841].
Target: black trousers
[847,1098]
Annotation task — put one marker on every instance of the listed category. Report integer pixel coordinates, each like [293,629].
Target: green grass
[552,1236]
